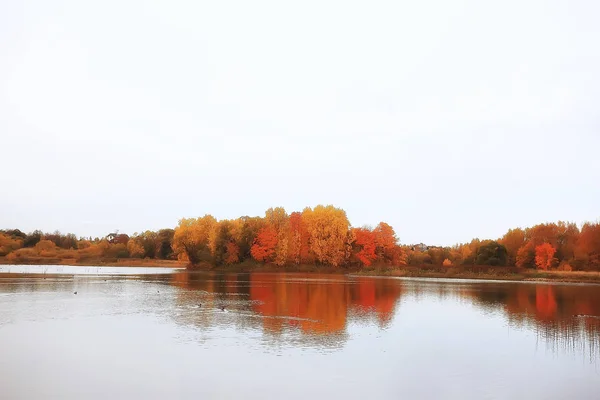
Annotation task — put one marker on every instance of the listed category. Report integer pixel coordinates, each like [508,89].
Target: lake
[159,333]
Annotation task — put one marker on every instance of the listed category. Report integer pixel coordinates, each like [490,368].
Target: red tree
[365,241]
[544,255]
[263,249]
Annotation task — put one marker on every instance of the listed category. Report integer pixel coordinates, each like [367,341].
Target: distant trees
[321,235]
[559,245]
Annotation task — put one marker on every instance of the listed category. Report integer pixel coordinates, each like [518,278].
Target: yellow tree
[327,227]
[192,237]
[298,240]
[279,220]
[135,249]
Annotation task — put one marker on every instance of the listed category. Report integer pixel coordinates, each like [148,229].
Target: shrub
[565,266]
[45,245]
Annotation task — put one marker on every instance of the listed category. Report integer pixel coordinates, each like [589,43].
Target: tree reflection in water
[315,309]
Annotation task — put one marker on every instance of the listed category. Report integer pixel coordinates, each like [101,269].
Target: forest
[320,236]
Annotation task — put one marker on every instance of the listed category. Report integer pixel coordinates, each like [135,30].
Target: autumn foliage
[319,236]
[263,249]
[544,255]
[364,240]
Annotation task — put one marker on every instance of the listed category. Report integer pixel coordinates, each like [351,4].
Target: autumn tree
[148,241]
[469,252]
[542,233]
[455,255]
[249,228]
[526,256]
[226,250]
[364,242]
[513,240]
[566,240]
[263,249]
[544,256]
[135,249]
[191,238]
[299,246]
[45,248]
[588,246]
[232,254]
[8,244]
[417,257]
[437,254]
[278,219]
[386,242]
[327,227]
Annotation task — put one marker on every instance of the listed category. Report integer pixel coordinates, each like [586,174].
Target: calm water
[148,333]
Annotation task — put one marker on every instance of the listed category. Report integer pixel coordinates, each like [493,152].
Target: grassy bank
[473,272]
[104,262]
[488,273]
[424,271]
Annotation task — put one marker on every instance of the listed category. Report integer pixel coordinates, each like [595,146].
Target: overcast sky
[447,119]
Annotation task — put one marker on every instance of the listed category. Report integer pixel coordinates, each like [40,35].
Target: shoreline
[498,274]
[129,262]
[509,274]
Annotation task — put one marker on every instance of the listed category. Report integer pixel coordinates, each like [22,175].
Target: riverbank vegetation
[319,238]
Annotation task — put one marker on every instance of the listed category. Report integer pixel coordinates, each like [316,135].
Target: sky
[448,120]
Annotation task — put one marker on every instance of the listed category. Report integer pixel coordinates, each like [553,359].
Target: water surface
[144,333]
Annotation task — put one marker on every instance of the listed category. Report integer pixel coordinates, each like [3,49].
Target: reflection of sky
[146,337]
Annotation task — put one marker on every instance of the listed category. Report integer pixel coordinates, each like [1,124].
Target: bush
[565,266]
[45,246]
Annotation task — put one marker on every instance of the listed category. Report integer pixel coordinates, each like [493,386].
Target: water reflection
[320,307]
[566,317]
[301,310]
[313,303]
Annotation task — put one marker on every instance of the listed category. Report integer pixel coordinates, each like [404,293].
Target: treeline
[37,246]
[319,236]
[561,245]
